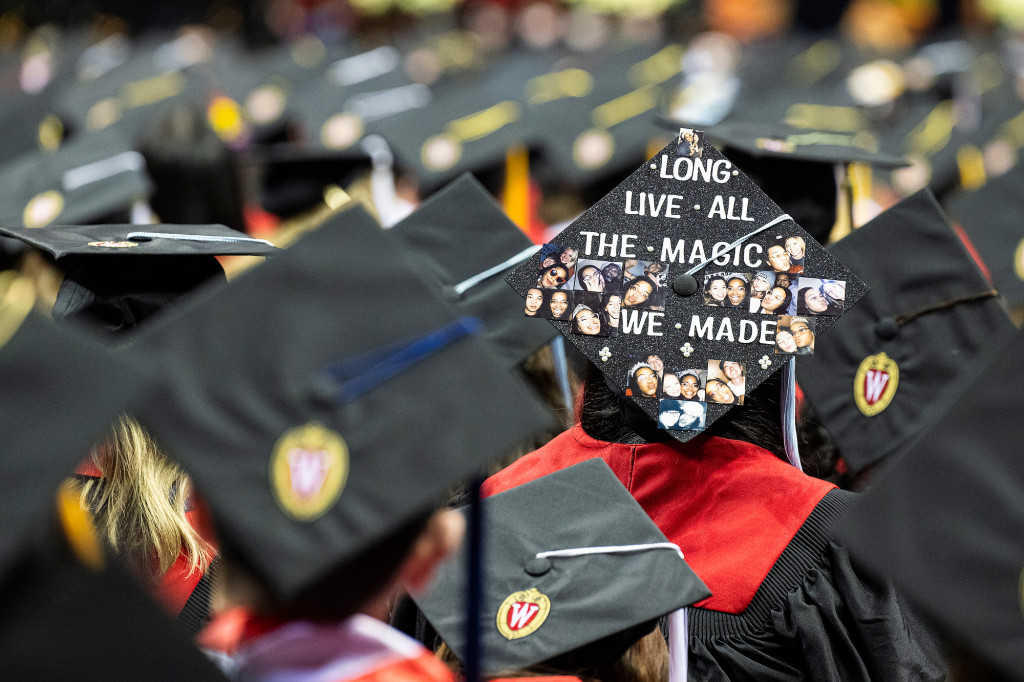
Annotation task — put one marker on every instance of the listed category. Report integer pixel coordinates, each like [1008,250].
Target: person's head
[761,284]
[783,279]
[715,289]
[689,385]
[558,303]
[670,385]
[812,301]
[777,299]
[800,328]
[736,291]
[718,391]
[613,306]
[586,321]
[796,246]
[554,276]
[591,278]
[668,418]
[732,370]
[534,299]
[639,291]
[644,380]
[612,272]
[778,257]
[652,268]
[784,340]
[655,362]
[834,291]
[568,256]
[549,261]
[691,417]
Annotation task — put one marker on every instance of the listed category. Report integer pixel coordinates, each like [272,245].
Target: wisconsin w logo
[874,385]
[522,613]
[308,470]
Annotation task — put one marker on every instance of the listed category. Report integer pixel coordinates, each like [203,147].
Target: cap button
[886,328]
[684,285]
[538,566]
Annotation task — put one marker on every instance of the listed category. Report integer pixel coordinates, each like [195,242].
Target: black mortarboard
[91,178]
[945,522]
[603,569]
[63,621]
[796,166]
[118,275]
[61,393]
[912,343]
[324,399]
[988,216]
[667,224]
[463,238]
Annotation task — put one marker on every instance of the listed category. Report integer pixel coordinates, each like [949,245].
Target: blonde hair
[139,504]
[645,661]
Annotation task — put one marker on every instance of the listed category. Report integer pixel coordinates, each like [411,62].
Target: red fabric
[969,245]
[228,631]
[731,507]
[422,668]
[87,467]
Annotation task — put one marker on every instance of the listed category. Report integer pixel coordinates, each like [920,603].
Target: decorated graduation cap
[604,569]
[65,620]
[463,238]
[91,178]
[326,398]
[944,523]
[119,275]
[797,167]
[912,343]
[62,391]
[685,235]
[987,216]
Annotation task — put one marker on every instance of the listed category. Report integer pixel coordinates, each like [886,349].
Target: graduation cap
[912,343]
[62,392]
[63,620]
[987,215]
[796,167]
[90,178]
[683,228]
[944,522]
[118,275]
[463,238]
[341,398]
[604,569]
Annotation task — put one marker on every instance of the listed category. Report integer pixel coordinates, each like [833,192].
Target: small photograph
[820,296]
[777,300]
[554,277]
[555,305]
[534,301]
[681,415]
[554,254]
[642,381]
[586,315]
[644,285]
[683,384]
[611,311]
[598,276]
[690,143]
[759,286]
[656,362]
[794,335]
[796,247]
[726,382]
[779,258]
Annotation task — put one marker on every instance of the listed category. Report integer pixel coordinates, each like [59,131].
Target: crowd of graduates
[273,409]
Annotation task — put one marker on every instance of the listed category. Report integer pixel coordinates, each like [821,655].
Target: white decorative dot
[650,248]
[696,207]
[678,326]
[765,362]
[654,166]
[735,172]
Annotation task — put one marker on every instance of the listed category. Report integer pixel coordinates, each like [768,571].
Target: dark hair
[613,418]
[784,306]
[801,305]
[543,271]
[721,366]
[708,298]
[642,278]
[550,294]
[634,386]
[579,274]
[575,323]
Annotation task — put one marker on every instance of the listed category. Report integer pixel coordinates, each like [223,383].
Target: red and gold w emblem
[875,383]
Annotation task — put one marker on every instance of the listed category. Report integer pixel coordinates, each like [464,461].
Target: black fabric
[815,618]
[196,612]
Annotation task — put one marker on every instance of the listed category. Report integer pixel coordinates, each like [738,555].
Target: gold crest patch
[875,383]
[522,613]
[308,470]
[43,208]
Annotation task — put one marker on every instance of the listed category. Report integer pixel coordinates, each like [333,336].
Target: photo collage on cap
[591,294]
[674,283]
